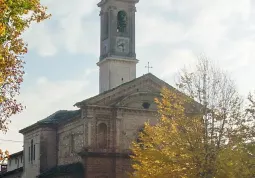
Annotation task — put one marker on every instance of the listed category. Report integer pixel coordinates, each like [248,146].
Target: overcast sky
[63,51]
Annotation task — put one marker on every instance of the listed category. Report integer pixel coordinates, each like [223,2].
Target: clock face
[122,45]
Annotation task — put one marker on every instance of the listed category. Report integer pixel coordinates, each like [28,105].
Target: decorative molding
[118,59]
[135,96]
[132,9]
[112,8]
[89,117]
[104,154]
[151,82]
[101,3]
[129,1]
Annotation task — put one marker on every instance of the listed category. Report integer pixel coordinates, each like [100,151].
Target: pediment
[139,100]
[139,89]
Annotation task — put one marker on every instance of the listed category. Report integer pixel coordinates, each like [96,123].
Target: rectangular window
[29,154]
[21,159]
[10,162]
[34,152]
[16,161]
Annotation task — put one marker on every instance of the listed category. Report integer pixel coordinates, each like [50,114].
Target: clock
[122,45]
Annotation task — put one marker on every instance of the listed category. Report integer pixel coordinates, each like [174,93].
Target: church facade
[94,140]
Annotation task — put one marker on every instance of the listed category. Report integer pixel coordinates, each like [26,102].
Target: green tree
[207,144]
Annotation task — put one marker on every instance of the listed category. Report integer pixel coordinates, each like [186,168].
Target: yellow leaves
[178,147]
[15,17]
[4,156]
[3,6]
[2,29]
[166,149]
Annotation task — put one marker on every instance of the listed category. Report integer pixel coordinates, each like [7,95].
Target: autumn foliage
[15,17]
[215,142]
[4,156]
[176,147]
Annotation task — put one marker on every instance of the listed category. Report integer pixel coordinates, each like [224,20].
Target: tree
[250,115]
[250,120]
[210,143]
[4,156]
[15,17]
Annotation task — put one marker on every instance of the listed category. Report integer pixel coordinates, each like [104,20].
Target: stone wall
[124,125]
[107,167]
[130,124]
[48,146]
[70,141]
[95,117]
[99,167]
[123,167]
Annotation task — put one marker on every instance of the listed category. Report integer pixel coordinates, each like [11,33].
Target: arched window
[102,135]
[122,21]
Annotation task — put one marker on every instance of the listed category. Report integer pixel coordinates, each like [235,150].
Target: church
[94,140]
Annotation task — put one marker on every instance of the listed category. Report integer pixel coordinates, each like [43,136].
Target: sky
[63,51]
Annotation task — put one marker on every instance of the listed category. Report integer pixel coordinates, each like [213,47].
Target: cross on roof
[149,67]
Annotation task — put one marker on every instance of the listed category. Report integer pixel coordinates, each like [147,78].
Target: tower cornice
[117,59]
[102,2]
[129,1]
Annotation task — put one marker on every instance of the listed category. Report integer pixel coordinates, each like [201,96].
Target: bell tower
[117,63]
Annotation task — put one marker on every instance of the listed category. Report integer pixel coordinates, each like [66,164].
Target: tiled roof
[56,118]
[16,154]
[60,116]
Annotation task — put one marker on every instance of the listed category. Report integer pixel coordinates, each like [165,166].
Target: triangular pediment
[145,87]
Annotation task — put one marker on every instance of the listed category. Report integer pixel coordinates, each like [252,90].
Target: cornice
[118,59]
[136,110]
[135,95]
[101,3]
[129,1]
[37,126]
[125,88]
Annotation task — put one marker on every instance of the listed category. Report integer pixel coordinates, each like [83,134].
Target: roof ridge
[115,88]
[55,118]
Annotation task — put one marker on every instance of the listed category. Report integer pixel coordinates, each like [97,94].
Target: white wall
[113,71]
[32,168]
[15,162]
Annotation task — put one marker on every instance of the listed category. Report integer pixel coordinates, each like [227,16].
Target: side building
[14,166]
